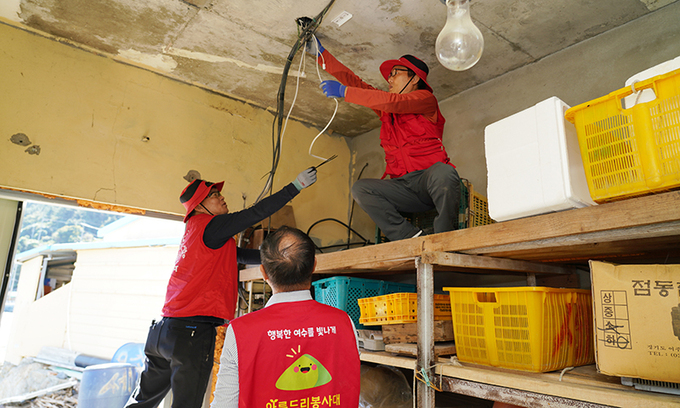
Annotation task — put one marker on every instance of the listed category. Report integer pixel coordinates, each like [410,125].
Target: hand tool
[325,161]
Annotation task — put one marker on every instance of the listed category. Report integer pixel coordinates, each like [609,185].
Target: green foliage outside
[45,224]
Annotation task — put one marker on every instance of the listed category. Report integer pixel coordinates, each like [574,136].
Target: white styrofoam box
[534,163]
[660,69]
[647,95]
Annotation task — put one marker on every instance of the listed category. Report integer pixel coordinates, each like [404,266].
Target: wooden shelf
[580,387]
[644,229]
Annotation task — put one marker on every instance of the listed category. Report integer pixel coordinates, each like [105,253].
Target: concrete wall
[116,135]
[576,75]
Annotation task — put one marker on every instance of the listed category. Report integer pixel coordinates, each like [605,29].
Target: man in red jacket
[421,175]
[201,293]
[295,352]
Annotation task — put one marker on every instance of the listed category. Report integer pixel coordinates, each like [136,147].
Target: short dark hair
[287,256]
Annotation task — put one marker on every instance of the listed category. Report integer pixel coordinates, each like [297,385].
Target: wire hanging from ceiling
[306,29]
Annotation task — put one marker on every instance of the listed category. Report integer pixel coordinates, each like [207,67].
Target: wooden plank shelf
[580,387]
[643,229]
[411,349]
[639,228]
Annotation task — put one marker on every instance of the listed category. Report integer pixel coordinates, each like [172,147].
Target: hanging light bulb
[460,43]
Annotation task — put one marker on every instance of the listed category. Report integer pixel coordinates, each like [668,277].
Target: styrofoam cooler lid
[660,69]
[647,95]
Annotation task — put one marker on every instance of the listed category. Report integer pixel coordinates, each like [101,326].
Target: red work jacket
[412,125]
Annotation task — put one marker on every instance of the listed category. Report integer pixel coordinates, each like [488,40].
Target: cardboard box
[284,216]
[637,320]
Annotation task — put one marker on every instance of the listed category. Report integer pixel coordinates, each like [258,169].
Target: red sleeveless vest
[204,280]
[297,354]
[411,142]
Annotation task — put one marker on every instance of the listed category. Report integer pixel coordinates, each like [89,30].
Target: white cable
[297,88]
[564,371]
[323,130]
[318,73]
[283,131]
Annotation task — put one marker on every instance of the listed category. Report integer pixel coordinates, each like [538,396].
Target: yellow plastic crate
[478,209]
[635,151]
[399,308]
[534,329]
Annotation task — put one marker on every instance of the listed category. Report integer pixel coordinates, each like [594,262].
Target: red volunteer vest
[203,282]
[297,354]
[411,142]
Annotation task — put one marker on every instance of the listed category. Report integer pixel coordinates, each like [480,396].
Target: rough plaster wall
[576,75]
[369,156]
[116,134]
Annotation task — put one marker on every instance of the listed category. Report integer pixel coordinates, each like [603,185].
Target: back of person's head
[287,256]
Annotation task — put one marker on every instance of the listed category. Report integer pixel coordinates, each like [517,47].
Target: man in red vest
[201,293]
[421,175]
[295,352]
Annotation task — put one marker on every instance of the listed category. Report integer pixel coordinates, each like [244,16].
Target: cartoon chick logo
[305,373]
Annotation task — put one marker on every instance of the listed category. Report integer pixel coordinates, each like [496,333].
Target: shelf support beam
[425,279]
[481,262]
[512,396]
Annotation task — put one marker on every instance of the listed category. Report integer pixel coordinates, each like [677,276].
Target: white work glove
[305,179]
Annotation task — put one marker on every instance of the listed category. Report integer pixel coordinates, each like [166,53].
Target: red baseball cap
[409,61]
[195,193]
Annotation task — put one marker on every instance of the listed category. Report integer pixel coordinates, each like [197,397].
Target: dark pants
[179,356]
[435,187]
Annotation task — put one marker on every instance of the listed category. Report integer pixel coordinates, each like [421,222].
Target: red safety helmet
[195,193]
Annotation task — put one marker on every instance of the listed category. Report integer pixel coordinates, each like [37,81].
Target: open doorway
[85,281]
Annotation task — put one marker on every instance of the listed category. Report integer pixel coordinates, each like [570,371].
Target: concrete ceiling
[239,47]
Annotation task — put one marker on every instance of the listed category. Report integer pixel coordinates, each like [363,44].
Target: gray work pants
[435,187]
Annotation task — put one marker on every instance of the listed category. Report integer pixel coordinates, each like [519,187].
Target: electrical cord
[316,44]
[308,27]
[343,245]
[365,241]
[351,211]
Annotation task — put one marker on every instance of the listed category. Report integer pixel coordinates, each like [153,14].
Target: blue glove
[311,47]
[333,89]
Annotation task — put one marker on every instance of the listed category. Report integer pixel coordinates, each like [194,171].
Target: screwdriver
[325,161]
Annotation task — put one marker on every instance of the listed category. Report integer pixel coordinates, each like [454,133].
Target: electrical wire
[308,26]
[297,88]
[292,104]
[351,211]
[339,222]
[316,44]
[364,243]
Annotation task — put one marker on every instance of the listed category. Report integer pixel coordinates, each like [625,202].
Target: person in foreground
[422,176]
[295,352]
[201,293]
